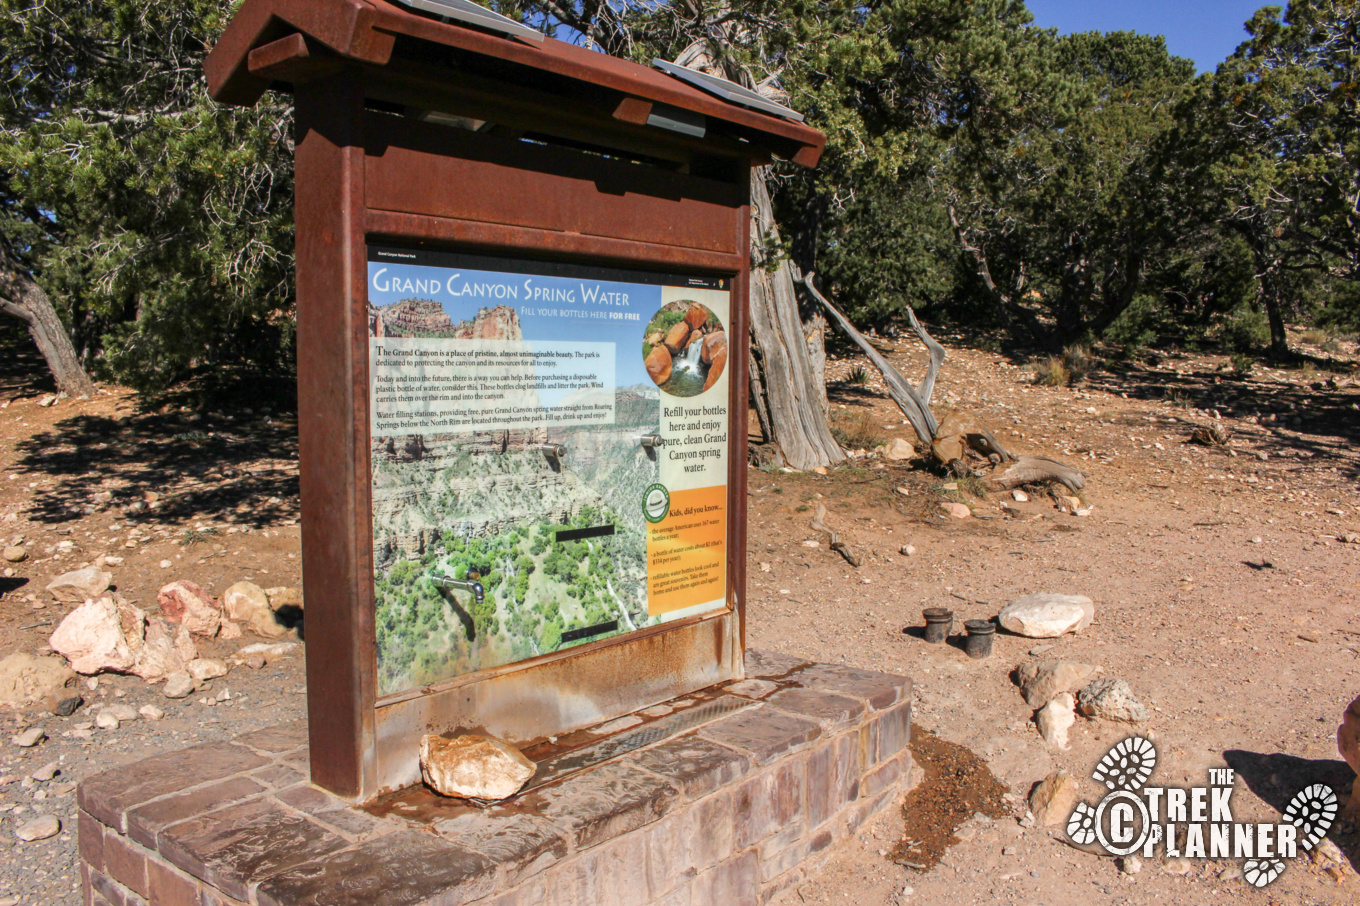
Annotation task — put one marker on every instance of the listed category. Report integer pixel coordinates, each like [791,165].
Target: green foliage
[158,221]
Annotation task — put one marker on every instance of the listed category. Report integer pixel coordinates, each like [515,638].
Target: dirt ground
[1224,595]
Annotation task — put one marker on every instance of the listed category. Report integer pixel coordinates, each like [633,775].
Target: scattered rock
[15,553]
[1231,873]
[907,550]
[899,450]
[105,720]
[123,712]
[185,603]
[64,703]
[151,712]
[1040,681]
[206,668]
[269,652]
[956,510]
[40,828]
[1019,496]
[29,738]
[46,772]
[248,603]
[91,637]
[473,766]
[1052,801]
[26,678]
[1055,719]
[1177,866]
[1047,616]
[1040,649]
[164,652]
[1130,865]
[256,662]
[229,631]
[178,685]
[76,586]
[1111,699]
[284,596]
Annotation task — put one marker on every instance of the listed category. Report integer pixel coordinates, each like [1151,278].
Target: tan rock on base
[1039,682]
[1052,801]
[473,766]
[899,450]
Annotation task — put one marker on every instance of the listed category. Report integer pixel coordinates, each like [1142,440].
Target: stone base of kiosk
[733,811]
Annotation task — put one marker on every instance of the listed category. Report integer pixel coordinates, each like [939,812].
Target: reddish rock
[185,603]
[659,364]
[696,316]
[677,337]
[715,368]
[712,344]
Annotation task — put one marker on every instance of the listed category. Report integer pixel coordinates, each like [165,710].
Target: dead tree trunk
[954,437]
[789,393]
[23,298]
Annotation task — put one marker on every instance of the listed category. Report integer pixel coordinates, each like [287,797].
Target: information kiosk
[522,272]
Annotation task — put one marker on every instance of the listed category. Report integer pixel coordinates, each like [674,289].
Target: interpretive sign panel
[549,456]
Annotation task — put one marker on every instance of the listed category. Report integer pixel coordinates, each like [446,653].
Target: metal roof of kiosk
[481,61]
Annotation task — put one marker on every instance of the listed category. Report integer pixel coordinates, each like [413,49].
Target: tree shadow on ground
[1276,778]
[219,445]
[166,467]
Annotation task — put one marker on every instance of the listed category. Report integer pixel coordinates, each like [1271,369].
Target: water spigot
[464,585]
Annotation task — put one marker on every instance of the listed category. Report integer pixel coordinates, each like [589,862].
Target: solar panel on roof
[470,13]
[728,91]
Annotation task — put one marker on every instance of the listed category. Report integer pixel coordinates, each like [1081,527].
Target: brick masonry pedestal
[731,812]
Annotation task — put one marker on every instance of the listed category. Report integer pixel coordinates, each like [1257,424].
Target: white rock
[473,766]
[106,721]
[899,450]
[26,678]
[164,651]
[15,553]
[46,772]
[92,638]
[29,738]
[282,596]
[1177,866]
[1047,616]
[1055,719]
[178,685]
[151,712]
[270,653]
[1019,496]
[40,828]
[206,668]
[1130,865]
[76,586]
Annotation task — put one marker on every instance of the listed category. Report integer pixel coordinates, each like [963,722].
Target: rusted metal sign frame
[596,184]
[366,177]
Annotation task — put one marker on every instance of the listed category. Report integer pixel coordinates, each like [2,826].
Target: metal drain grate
[658,730]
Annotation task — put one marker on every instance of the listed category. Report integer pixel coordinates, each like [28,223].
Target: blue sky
[1205,31]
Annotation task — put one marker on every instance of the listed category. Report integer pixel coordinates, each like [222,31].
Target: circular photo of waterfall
[685,348]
